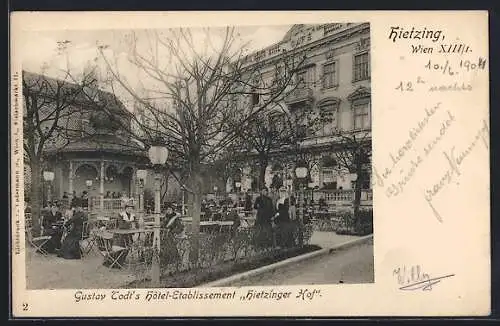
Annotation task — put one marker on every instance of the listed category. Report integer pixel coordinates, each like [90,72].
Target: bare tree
[276,133]
[352,152]
[48,103]
[193,94]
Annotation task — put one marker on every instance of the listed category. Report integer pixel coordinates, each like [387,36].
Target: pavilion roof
[109,143]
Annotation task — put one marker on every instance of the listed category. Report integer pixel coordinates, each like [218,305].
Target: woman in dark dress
[284,235]
[171,227]
[70,248]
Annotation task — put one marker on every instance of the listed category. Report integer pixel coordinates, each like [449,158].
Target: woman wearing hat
[70,248]
[126,220]
[171,228]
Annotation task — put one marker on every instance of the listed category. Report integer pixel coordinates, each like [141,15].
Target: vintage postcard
[249,164]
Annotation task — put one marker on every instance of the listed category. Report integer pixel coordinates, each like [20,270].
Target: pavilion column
[70,186]
[321,177]
[101,186]
[60,178]
[133,188]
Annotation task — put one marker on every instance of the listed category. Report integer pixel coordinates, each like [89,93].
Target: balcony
[299,95]
[335,137]
[338,199]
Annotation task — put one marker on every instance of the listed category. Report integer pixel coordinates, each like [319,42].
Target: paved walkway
[352,265]
[329,239]
[57,273]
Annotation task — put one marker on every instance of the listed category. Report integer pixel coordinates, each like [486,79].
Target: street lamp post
[301,173]
[141,177]
[48,176]
[183,206]
[158,155]
[89,185]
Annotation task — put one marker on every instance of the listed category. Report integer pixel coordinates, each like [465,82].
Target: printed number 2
[25,306]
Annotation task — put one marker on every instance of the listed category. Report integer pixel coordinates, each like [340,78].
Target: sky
[41,55]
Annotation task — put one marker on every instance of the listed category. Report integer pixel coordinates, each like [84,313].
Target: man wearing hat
[263,223]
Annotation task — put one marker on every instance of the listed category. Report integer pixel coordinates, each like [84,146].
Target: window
[329,75]
[255,98]
[361,115]
[365,184]
[302,131]
[361,67]
[277,122]
[327,118]
[329,179]
[328,176]
[306,77]
[302,77]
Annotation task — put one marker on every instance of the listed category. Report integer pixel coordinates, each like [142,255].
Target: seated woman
[70,248]
[126,221]
[233,216]
[68,214]
[52,226]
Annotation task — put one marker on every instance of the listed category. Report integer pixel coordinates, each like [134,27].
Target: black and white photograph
[198,156]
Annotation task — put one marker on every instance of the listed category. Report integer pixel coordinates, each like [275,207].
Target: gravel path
[53,272]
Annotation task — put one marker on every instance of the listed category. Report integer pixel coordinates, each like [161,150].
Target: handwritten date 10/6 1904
[445,67]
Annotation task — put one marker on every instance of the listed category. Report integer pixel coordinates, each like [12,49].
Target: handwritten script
[414,278]
[448,74]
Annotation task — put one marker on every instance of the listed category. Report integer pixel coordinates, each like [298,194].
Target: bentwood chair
[37,242]
[112,254]
[28,220]
[88,239]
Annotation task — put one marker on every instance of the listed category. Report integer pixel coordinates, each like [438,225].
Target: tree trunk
[263,162]
[36,197]
[357,197]
[195,206]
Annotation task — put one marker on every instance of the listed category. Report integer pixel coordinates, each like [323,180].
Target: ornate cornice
[359,93]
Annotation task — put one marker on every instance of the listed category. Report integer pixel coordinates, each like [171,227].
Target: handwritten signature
[414,278]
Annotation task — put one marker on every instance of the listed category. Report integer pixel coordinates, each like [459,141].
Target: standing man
[248,202]
[85,200]
[263,223]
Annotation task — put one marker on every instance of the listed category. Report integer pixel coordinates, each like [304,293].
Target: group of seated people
[64,230]
[171,226]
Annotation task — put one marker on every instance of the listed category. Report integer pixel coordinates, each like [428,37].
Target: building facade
[332,86]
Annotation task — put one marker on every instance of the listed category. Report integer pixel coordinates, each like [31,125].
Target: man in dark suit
[265,208]
[52,228]
[263,223]
[248,202]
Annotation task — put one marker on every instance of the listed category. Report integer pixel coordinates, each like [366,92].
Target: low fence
[110,205]
[344,222]
[228,248]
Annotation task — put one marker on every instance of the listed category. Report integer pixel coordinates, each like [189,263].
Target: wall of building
[323,51]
